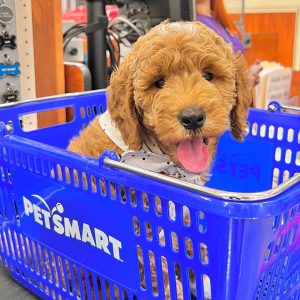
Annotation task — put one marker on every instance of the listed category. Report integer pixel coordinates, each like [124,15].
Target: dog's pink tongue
[193,155]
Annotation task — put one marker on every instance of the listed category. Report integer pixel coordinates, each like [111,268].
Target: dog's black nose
[192,118]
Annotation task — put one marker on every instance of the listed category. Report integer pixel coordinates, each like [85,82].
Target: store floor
[10,289]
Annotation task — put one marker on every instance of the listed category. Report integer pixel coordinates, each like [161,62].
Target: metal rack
[17,81]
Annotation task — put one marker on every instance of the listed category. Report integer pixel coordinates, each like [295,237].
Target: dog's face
[180,87]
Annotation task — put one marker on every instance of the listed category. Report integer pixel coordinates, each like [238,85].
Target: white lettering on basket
[53,220]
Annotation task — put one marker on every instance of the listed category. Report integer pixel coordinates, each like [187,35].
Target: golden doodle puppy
[179,89]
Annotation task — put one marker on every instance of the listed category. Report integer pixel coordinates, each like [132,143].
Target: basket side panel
[135,236]
[269,155]
[84,108]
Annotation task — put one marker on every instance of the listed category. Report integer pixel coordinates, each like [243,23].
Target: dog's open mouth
[193,154]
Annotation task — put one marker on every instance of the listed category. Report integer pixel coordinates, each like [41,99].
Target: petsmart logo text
[52,220]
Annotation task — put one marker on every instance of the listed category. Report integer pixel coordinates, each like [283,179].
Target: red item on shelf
[78,15]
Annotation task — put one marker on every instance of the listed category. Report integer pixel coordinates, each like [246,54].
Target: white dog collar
[150,157]
[108,126]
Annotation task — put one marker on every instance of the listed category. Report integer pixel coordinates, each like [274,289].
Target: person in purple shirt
[212,13]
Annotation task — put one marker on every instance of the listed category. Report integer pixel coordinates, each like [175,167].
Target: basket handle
[110,161]
[275,106]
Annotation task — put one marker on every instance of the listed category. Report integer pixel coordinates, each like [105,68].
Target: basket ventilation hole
[136,226]
[75,178]
[286,175]
[192,283]
[22,242]
[116,292]
[74,270]
[202,222]
[158,205]
[84,180]
[263,130]
[123,194]
[178,279]
[280,132]
[27,246]
[47,265]
[55,269]
[89,112]
[174,242]
[268,252]
[9,176]
[11,244]
[59,172]
[297,162]
[42,263]
[113,192]
[204,254]
[148,231]
[107,288]
[90,285]
[186,216]
[288,156]
[68,177]
[293,235]
[141,267]
[206,287]
[278,244]
[47,290]
[172,211]
[145,201]
[62,274]
[271,132]
[102,186]
[293,213]
[93,183]
[278,154]
[276,173]
[286,239]
[36,258]
[125,295]
[71,282]
[290,136]
[95,110]
[286,261]
[201,215]
[189,247]
[133,197]
[17,246]
[161,236]
[254,129]
[99,287]
[153,273]
[1,244]
[165,272]
[16,212]
[2,173]
[82,112]
[284,218]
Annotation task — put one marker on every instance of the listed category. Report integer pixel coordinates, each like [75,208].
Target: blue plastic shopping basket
[78,239]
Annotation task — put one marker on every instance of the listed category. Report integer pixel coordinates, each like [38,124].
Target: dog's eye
[208,75]
[159,83]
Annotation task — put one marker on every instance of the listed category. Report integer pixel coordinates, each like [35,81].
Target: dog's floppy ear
[243,97]
[121,104]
